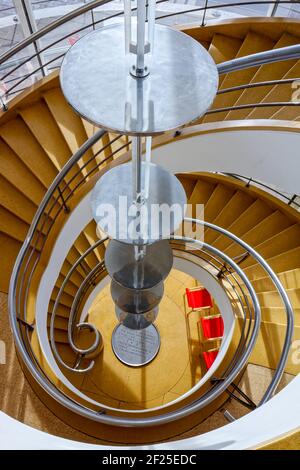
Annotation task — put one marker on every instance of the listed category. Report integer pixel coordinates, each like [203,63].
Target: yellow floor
[18,400]
[173,372]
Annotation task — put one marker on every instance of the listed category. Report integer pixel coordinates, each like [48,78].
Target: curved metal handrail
[77,350]
[251,61]
[257,59]
[99,268]
[249,180]
[260,58]
[96,3]
[284,297]
[36,372]
[219,387]
[254,299]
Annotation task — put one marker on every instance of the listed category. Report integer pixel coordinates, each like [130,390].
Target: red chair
[209,357]
[198,298]
[212,327]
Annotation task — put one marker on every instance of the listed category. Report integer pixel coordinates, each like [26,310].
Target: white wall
[269,156]
[276,418]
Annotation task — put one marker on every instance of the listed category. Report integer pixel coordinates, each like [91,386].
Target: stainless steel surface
[136,301]
[87,7]
[135,348]
[16,308]
[181,86]
[260,58]
[152,267]
[277,104]
[114,210]
[137,154]
[246,86]
[134,321]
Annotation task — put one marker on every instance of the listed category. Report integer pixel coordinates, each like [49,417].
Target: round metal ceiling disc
[135,321]
[96,81]
[135,347]
[116,214]
[138,269]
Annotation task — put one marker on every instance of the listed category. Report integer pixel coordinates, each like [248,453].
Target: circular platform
[96,81]
[135,347]
[115,213]
[151,268]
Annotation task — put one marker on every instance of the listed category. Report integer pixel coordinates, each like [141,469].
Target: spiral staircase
[53,260]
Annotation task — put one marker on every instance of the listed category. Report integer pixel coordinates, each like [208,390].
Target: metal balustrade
[290,200]
[43,32]
[56,203]
[27,263]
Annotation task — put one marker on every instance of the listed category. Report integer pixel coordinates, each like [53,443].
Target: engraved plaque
[135,347]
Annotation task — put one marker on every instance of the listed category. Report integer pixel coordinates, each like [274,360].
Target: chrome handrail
[14,284]
[260,58]
[89,7]
[19,340]
[277,104]
[283,81]
[82,289]
[284,297]
[82,352]
[233,371]
[249,180]
[254,299]
[96,3]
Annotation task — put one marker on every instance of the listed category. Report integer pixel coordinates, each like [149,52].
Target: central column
[146,80]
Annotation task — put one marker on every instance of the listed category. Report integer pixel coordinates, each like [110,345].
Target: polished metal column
[140,79]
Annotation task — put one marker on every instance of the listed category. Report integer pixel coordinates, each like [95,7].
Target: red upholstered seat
[212,327]
[209,357]
[198,298]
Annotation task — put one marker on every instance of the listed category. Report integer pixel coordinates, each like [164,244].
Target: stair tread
[263,232]
[14,171]
[16,202]
[12,225]
[252,43]
[220,196]
[69,123]
[281,262]
[277,94]
[267,72]
[201,192]
[11,248]
[188,184]
[28,150]
[256,211]
[236,206]
[280,243]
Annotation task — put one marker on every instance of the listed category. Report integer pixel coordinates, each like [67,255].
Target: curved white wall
[269,156]
[247,432]
[78,219]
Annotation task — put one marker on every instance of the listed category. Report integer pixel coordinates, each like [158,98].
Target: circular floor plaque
[135,347]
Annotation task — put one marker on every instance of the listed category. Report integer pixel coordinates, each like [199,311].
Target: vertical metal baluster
[66,208]
[204,13]
[93,19]
[273,9]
